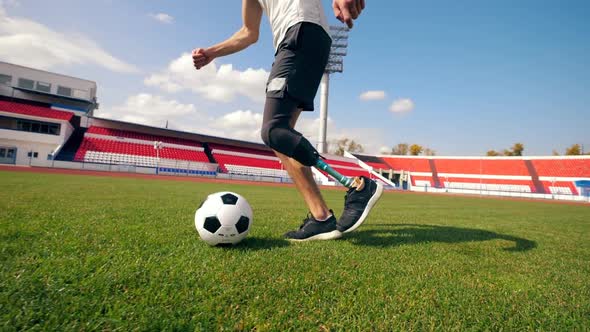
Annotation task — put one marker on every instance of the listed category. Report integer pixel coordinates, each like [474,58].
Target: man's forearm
[239,41]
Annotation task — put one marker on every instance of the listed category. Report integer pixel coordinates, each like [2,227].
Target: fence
[160,167]
[132,165]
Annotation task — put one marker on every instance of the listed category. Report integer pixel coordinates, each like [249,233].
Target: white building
[39,111]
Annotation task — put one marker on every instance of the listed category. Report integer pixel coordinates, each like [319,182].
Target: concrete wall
[23,148]
[26,142]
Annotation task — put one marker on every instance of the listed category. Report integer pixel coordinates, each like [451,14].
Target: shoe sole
[368,208]
[333,235]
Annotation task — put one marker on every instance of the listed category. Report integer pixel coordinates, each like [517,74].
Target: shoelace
[348,192]
[307,220]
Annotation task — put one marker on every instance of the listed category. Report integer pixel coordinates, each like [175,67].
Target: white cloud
[29,43]
[150,110]
[384,150]
[163,18]
[403,105]
[241,124]
[153,110]
[7,3]
[373,95]
[218,83]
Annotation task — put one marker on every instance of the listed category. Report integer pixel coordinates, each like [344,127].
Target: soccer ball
[223,218]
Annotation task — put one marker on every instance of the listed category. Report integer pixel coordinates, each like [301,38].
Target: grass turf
[100,253]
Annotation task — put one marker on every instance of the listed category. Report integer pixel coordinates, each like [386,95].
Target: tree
[416,149]
[555,153]
[574,150]
[346,144]
[401,149]
[517,149]
[429,152]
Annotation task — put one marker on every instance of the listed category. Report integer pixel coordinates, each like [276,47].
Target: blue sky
[480,75]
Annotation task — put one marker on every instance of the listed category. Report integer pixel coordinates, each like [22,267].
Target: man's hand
[348,10]
[201,57]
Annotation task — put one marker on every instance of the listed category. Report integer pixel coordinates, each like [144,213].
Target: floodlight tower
[335,65]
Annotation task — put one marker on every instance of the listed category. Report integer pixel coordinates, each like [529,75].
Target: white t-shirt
[284,14]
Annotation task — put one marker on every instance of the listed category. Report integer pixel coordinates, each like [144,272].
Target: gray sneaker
[315,230]
[358,204]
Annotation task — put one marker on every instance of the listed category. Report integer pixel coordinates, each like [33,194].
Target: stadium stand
[450,174]
[108,132]
[481,166]
[121,147]
[134,150]
[36,111]
[377,165]
[230,148]
[552,173]
[408,164]
[575,167]
[245,161]
[536,175]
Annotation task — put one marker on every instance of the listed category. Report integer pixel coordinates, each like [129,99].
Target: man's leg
[278,133]
[297,155]
[304,181]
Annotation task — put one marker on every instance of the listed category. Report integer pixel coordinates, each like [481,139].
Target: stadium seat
[114,133]
[246,161]
[117,152]
[36,111]
[562,167]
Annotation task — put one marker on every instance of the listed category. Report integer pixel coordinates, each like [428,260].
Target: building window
[26,83]
[2,153]
[64,91]
[5,79]
[53,129]
[36,126]
[44,87]
[10,153]
[23,126]
[7,123]
[44,128]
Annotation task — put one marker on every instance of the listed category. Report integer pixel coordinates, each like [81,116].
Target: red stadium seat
[408,164]
[140,136]
[37,111]
[562,167]
[132,149]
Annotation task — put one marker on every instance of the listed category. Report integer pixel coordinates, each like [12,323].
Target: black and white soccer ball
[223,218]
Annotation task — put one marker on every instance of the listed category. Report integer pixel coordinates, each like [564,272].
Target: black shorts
[299,64]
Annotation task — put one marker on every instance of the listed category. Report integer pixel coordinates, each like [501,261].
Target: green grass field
[90,253]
